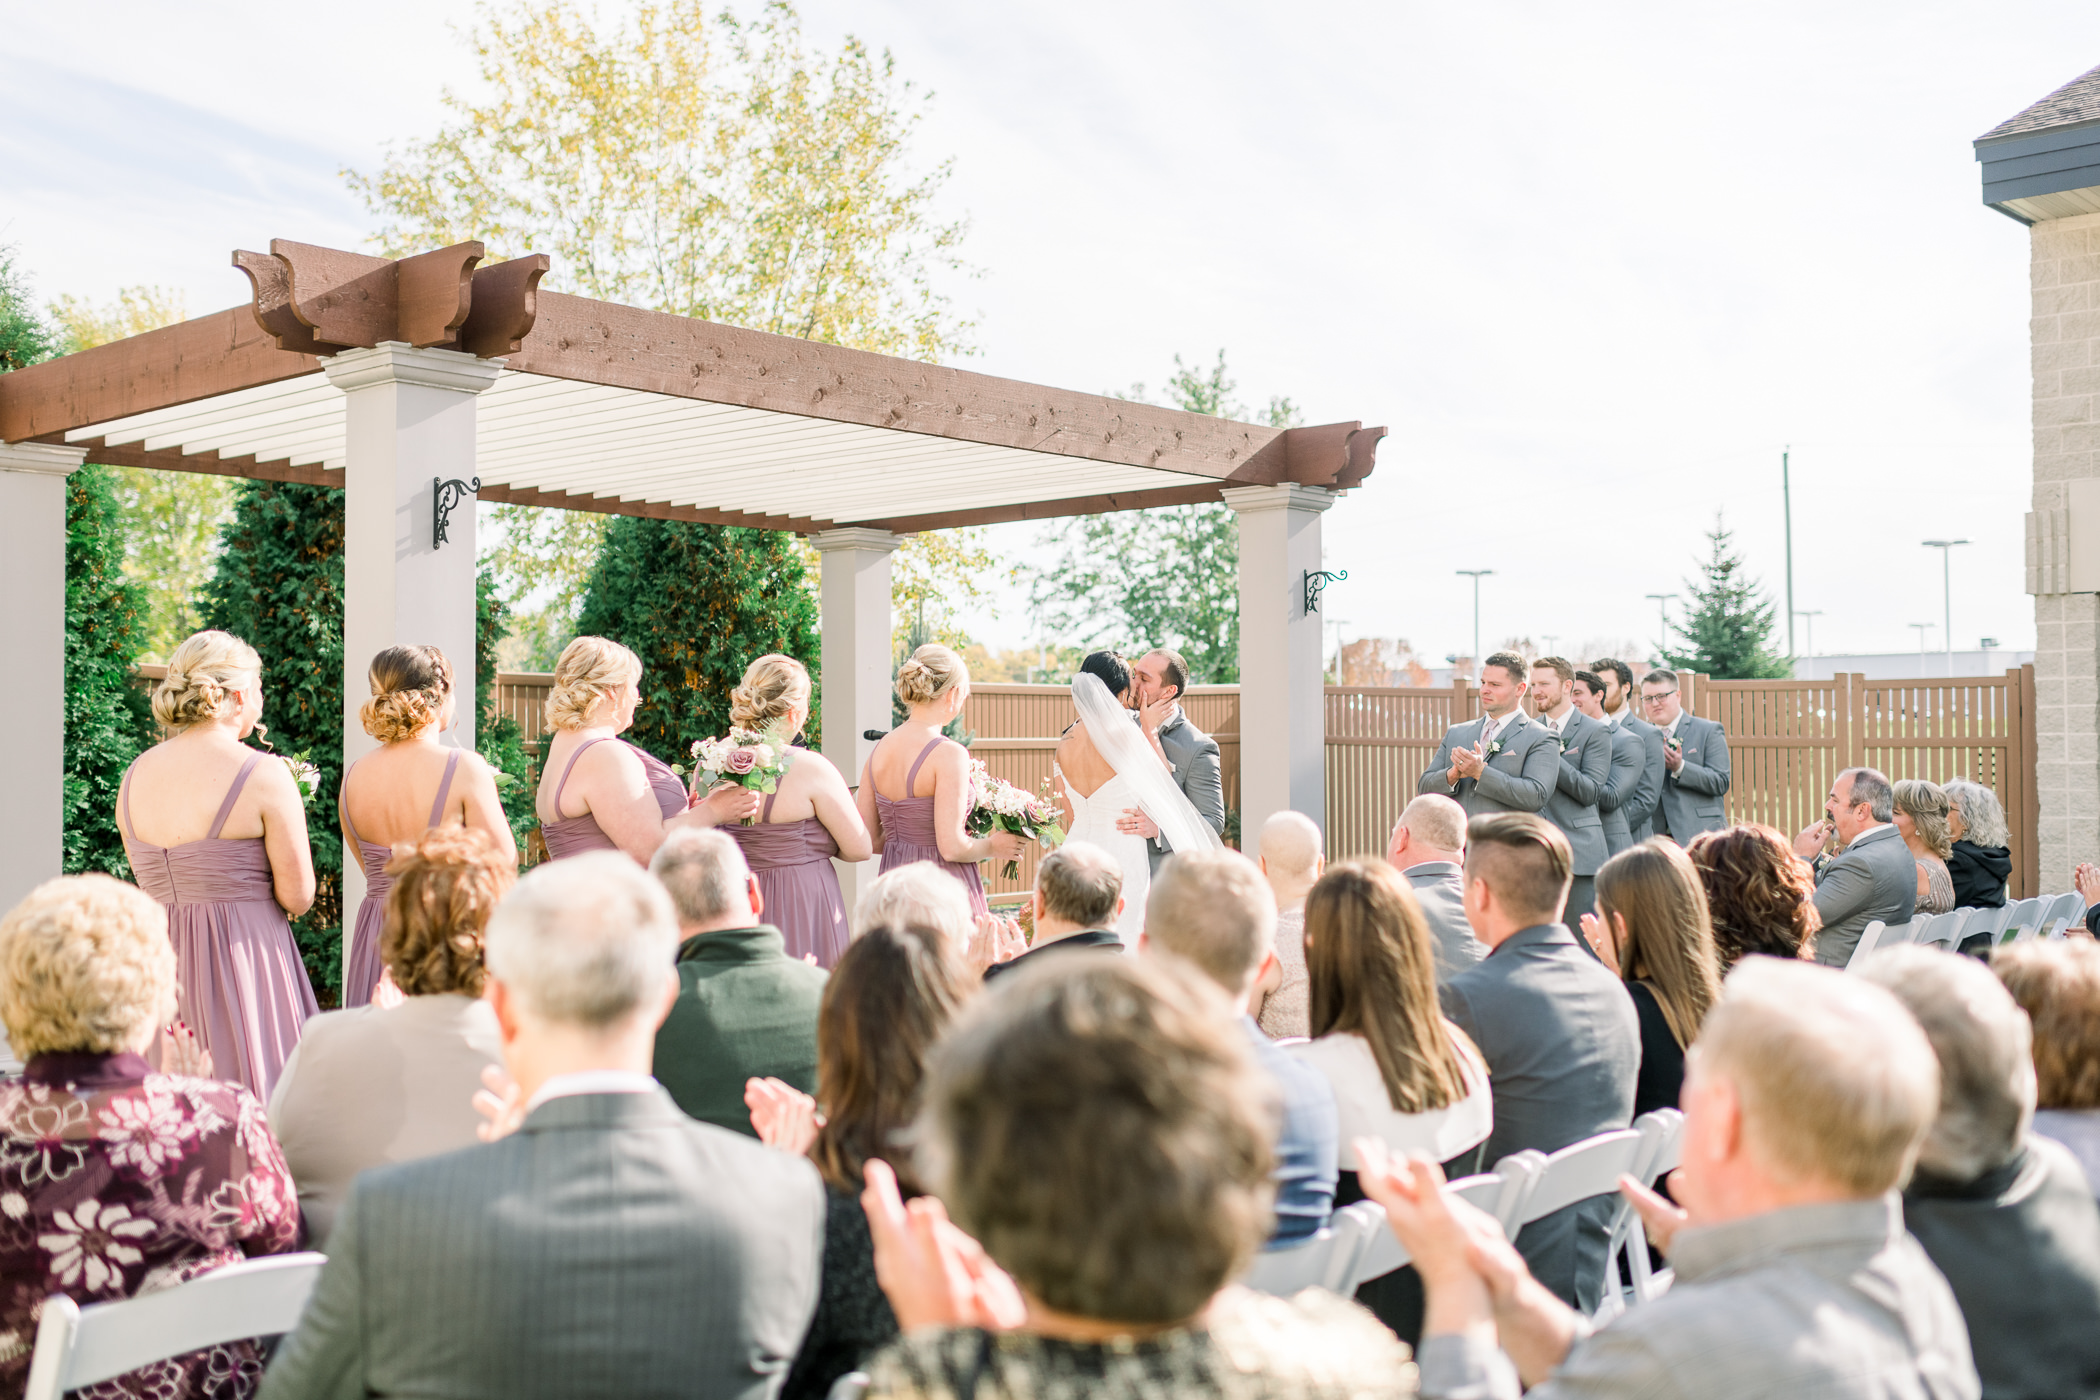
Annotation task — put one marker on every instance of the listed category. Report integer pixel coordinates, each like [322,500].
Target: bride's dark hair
[1110,669]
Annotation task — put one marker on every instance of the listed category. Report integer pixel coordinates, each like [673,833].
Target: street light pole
[1923,628]
[1946,549]
[1786,497]
[1662,615]
[1476,575]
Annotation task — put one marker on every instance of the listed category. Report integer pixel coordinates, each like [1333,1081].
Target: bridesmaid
[930,776]
[810,819]
[403,789]
[216,831]
[599,792]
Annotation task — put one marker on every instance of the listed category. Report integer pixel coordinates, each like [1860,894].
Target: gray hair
[1982,816]
[1080,884]
[586,941]
[703,871]
[1436,821]
[1871,786]
[1985,1049]
[919,895]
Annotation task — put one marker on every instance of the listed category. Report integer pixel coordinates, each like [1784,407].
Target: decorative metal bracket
[1316,582]
[444,497]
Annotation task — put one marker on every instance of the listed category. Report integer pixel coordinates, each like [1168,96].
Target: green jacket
[745,1010]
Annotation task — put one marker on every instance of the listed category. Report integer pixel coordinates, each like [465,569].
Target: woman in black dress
[1651,927]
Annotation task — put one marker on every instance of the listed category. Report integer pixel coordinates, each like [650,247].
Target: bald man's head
[1290,843]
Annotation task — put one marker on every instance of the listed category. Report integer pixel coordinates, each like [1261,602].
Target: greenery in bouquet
[997,805]
[304,773]
[750,758]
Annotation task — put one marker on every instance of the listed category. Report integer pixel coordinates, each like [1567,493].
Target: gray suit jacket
[1691,797]
[1518,777]
[1640,808]
[1628,758]
[1440,889]
[1875,878]
[1563,1047]
[1585,767]
[1194,755]
[611,1246]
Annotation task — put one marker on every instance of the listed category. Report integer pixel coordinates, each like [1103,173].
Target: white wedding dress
[1094,822]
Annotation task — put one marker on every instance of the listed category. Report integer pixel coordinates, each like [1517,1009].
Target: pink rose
[740,761]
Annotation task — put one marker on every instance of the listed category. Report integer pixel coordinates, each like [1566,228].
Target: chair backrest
[1875,935]
[1979,920]
[1942,930]
[1581,1171]
[1499,1196]
[1327,1260]
[1662,1148]
[2019,918]
[78,1346]
[2062,910]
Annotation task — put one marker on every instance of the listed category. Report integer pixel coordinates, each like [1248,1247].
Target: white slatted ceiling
[587,439]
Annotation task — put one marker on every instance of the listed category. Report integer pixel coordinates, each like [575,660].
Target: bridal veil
[1119,740]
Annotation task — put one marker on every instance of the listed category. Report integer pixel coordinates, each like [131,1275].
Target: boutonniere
[1563,745]
[1494,748]
[1674,744]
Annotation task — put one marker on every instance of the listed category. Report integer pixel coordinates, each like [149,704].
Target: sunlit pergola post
[1283,739]
[33,639]
[855,599]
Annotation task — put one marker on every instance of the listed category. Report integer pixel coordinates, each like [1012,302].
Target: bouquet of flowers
[750,758]
[304,774]
[997,805]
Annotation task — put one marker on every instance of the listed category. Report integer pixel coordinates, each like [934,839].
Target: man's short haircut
[1835,1080]
[919,895]
[1558,665]
[1510,662]
[1592,680]
[1079,883]
[703,871]
[1436,821]
[1871,786]
[1662,676]
[1617,667]
[1212,909]
[1985,1050]
[586,941]
[1291,842]
[1525,861]
[1176,671]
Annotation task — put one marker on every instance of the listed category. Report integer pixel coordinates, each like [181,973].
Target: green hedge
[108,721]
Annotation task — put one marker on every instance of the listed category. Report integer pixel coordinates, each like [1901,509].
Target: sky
[1593,267]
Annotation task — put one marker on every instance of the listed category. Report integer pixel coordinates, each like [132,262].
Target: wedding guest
[1982,858]
[1759,894]
[601,1242]
[1695,763]
[216,831]
[1103,1135]
[410,784]
[1617,702]
[1874,877]
[1077,899]
[115,1177]
[1651,928]
[924,821]
[371,1084]
[746,1009]
[2008,1216]
[1585,768]
[1291,861]
[1428,846]
[810,819]
[601,793]
[1502,762]
[1920,818]
[2057,984]
[922,895]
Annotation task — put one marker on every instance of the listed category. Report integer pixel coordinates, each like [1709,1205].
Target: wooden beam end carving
[505,305]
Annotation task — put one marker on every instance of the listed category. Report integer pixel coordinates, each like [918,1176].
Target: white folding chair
[2063,911]
[1580,1172]
[1875,935]
[850,1386]
[2019,918]
[1662,1148]
[1498,1195]
[78,1346]
[1941,930]
[1327,1260]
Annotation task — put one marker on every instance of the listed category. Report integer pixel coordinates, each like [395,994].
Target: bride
[1107,765]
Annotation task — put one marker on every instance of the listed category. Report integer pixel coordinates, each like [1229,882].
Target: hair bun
[928,674]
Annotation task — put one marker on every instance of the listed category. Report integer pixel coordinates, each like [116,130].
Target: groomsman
[1695,763]
[1627,754]
[1617,678]
[1619,698]
[1502,762]
[1585,769]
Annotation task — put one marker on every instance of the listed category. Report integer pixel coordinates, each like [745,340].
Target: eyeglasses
[1657,695]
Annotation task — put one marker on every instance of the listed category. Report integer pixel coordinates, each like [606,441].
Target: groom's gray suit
[1197,773]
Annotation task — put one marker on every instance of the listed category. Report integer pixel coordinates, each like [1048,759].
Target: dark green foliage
[697,603]
[107,718]
[1728,630]
[498,738]
[25,337]
[279,587]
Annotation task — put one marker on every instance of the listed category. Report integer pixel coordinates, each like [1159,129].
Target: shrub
[108,722]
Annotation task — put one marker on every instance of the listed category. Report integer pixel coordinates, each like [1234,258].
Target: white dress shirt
[592,1081]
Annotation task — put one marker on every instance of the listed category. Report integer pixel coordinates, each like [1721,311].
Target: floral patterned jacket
[116,1180]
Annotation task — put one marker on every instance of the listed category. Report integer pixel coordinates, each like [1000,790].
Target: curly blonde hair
[590,669]
[203,675]
[773,686]
[409,686]
[85,966]
[446,884]
[1926,805]
[931,672]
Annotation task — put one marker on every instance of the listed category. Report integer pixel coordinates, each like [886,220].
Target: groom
[1160,677]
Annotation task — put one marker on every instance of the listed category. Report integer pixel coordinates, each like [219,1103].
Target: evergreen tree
[499,738]
[697,603]
[1729,628]
[25,337]
[107,719]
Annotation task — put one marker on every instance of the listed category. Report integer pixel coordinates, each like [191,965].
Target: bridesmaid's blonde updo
[932,672]
[409,686]
[590,669]
[773,686]
[203,675]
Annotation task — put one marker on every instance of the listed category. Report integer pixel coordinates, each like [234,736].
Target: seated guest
[113,1174]
[376,1084]
[1874,877]
[745,1009]
[2087,879]
[603,1243]
[1808,1096]
[1760,896]
[1558,1031]
[1291,860]
[1982,858]
[914,897]
[1921,819]
[1078,898]
[2009,1217]
[1428,846]
[1651,928]
[1212,910]
[1105,1135]
[2057,984]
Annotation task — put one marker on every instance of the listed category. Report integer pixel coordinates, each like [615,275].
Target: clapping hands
[2087,880]
[1467,763]
[181,1053]
[994,940]
[500,1102]
[782,1115]
[933,1274]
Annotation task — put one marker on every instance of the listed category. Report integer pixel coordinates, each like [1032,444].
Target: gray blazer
[1585,767]
[1518,777]
[611,1246]
[1194,755]
[1628,757]
[1875,878]
[1691,797]
[1439,888]
[1563,1047]
[1640,808]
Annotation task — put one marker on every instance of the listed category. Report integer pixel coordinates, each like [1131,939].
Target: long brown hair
[1669,945]
[888,999]
[1759,894]
[1372,968]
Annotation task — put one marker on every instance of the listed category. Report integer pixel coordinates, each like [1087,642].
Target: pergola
[416,384]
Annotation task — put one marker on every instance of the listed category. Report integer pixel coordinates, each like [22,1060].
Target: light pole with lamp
[1811,614]
[1662,616]
[1923,628]
[1476,575]
[1946,549]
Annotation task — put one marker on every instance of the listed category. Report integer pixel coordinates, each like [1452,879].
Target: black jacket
[1979,875]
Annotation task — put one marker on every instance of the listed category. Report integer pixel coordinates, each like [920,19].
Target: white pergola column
[409,421]
[855,601]
[1282,687]
[33,639]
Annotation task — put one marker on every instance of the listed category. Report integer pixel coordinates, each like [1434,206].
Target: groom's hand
[1135,823]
